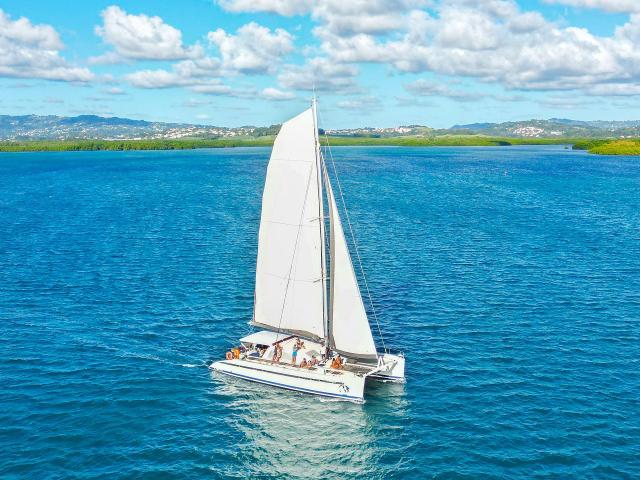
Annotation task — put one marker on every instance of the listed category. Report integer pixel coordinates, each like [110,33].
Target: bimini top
[263,337]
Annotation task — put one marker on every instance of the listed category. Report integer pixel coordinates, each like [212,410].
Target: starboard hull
[339,385]
[395,371]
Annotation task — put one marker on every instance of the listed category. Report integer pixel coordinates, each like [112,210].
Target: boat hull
[327,383]
[395,372]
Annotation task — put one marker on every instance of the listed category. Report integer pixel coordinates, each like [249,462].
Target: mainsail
[290,287]
[349,330]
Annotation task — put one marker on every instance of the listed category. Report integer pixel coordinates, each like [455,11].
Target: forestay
[349,331]
[289,294]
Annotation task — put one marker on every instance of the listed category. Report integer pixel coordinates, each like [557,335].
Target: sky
[378,63]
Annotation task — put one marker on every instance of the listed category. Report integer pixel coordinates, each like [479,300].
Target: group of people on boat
[337,362]
[233,353]
[309,363]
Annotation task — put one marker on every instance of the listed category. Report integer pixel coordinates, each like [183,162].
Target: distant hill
[554,127]
[93,127]
[85,127]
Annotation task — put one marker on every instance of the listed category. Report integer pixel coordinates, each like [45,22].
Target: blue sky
[372,63]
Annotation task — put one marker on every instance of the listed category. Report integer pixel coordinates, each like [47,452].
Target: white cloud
[22,31]
[271,93]
[470,29]
[281,7]
[198,75]
[342,18]
[254,49]
[320,74]
[33,51]
[616,6]
[196,103]
[443,88]
[366,103]
[114,91]
[427,88]
[200,68]
[213,88]
[565,102]
[188,73]
[354,48]
[494,41]
[157,79]
[339,16]
[140,37]
[615,90]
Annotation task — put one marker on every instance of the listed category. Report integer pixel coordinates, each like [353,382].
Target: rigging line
[355,244]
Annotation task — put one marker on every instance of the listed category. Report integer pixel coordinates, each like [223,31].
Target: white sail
[290,289]
[349,331]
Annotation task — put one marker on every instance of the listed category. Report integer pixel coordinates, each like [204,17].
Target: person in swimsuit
[294,355]
[337,363]
[277,353]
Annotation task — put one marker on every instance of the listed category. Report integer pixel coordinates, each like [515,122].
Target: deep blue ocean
[509,276]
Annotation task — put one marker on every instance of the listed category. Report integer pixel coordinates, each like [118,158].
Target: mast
[323,262]
[327,182]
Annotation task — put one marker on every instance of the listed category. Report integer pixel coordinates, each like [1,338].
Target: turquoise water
[510,277]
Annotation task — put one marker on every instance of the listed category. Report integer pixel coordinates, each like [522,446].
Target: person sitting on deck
[337,362]
[303,363]
[313,362]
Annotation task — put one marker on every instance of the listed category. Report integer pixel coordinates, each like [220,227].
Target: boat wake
[195,365]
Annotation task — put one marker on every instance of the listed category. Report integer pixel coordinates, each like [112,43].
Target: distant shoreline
[597,146]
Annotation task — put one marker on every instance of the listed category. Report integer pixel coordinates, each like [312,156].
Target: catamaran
[314,334]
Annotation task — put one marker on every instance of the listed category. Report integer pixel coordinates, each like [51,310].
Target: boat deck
[348,367]
[309,350]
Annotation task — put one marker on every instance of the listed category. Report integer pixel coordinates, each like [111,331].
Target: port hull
[341,385]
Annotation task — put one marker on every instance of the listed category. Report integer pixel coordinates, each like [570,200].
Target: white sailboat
[328,327]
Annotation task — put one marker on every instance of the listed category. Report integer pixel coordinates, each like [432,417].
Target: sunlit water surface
[510,277]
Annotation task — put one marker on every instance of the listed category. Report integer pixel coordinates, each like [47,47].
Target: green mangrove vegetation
[602,146]
[610,147]
[263,141]
[121,145]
